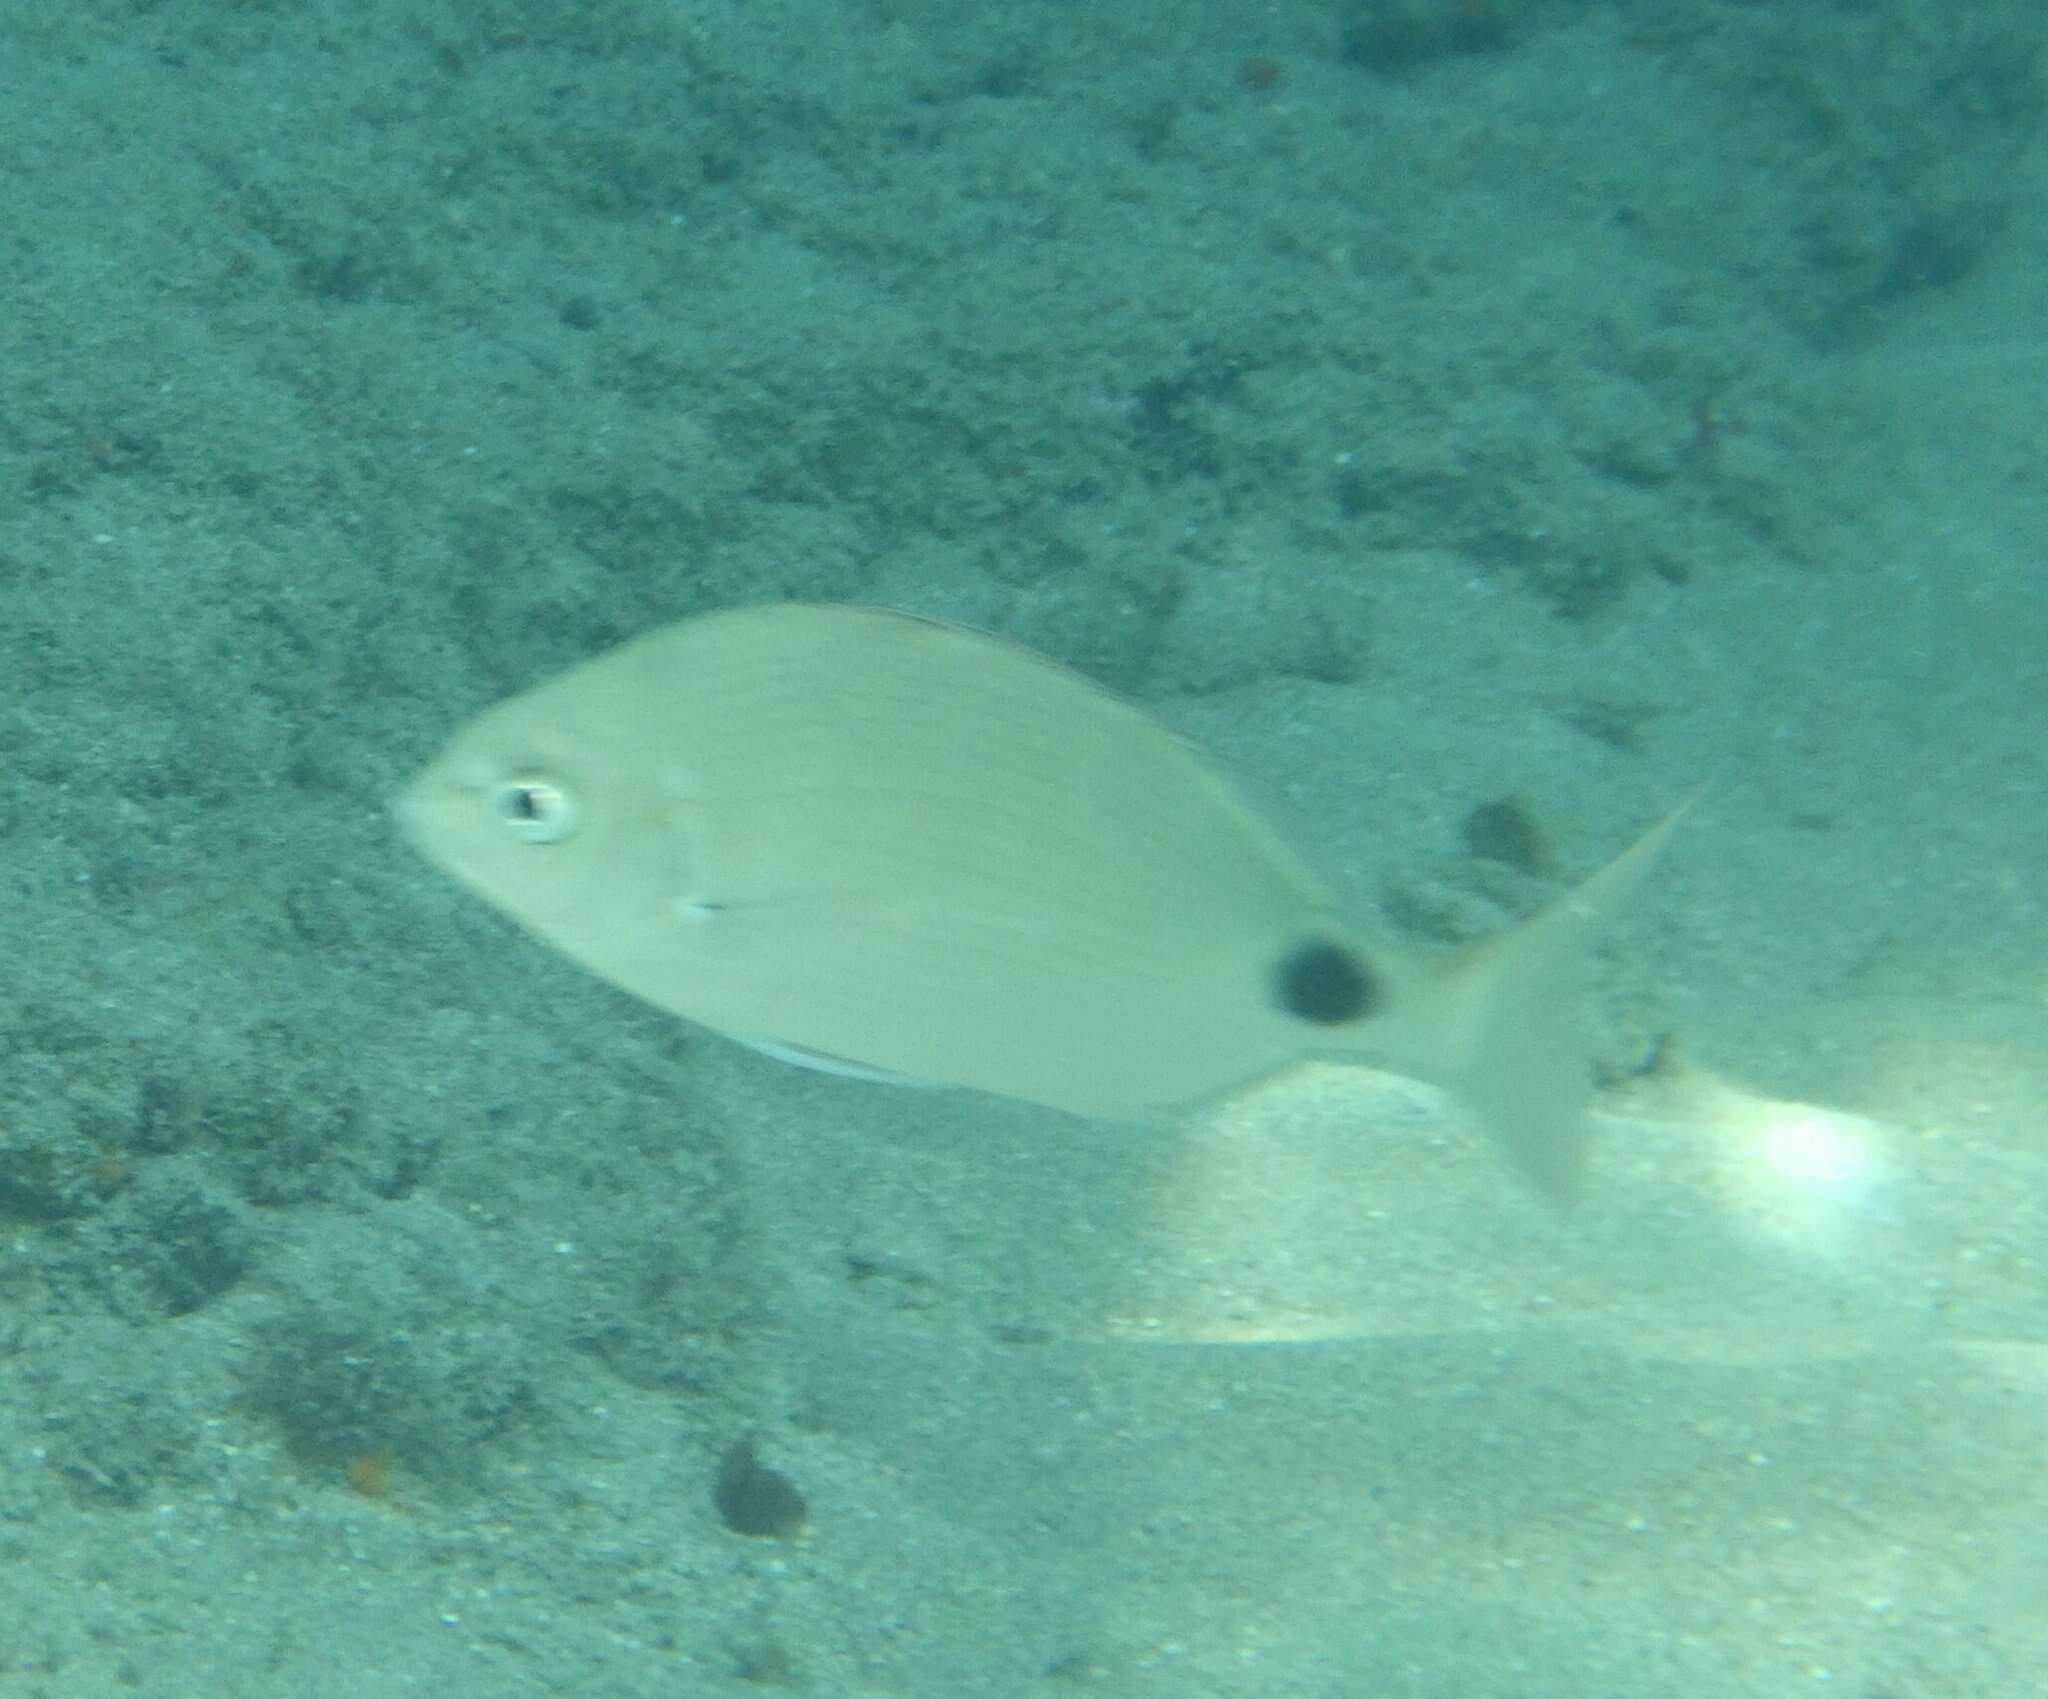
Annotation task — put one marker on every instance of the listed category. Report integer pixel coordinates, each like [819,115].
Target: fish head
[554,822]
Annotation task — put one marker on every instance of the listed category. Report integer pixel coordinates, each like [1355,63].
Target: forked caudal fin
[1507,1021]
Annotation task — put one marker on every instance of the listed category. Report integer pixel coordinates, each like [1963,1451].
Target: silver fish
[869,841]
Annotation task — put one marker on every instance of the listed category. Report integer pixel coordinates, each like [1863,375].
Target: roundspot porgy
[872,842]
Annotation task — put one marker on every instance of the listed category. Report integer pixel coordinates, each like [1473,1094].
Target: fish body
[892,846]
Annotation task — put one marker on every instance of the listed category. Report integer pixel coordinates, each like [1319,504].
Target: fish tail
[1508,1025]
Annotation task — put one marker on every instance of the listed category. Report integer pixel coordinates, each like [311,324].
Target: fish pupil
[537,810]
[1324,983]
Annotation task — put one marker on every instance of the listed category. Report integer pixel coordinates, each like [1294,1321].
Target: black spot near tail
[1324,983]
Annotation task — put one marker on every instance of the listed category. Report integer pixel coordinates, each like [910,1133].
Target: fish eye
[1324,983]
[537,810]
